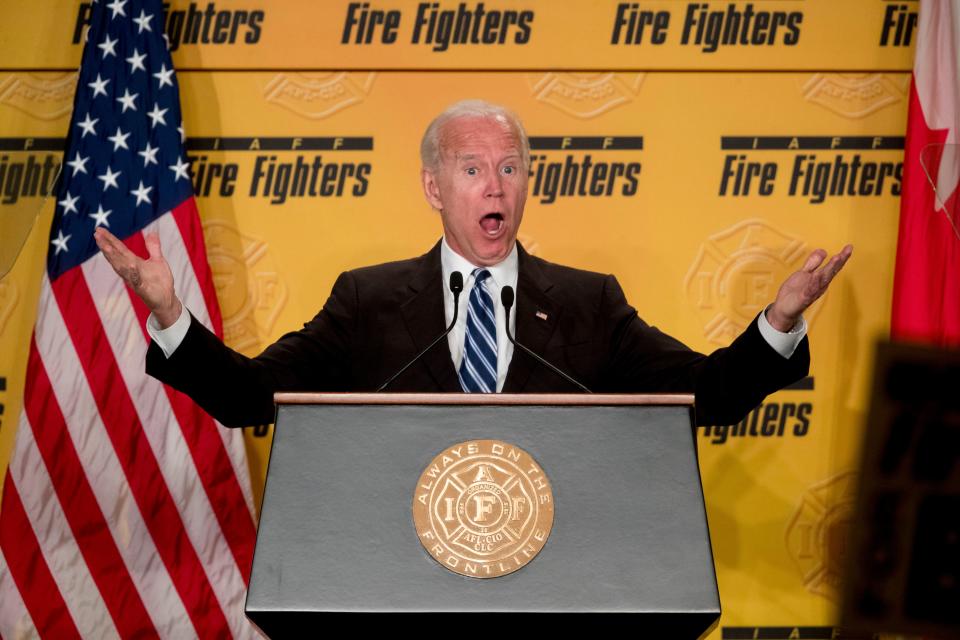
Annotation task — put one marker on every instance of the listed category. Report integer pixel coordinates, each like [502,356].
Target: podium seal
[483,508]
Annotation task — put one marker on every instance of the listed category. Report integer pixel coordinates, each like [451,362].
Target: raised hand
[803,287]
[150,279]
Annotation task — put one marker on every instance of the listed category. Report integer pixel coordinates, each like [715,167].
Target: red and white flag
[926,290]
[126,510]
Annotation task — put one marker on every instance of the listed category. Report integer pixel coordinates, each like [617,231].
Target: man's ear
[431,188]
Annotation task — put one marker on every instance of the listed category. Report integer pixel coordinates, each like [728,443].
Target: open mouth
[492,223]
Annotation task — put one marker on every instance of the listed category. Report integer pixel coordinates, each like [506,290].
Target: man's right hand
[150,279]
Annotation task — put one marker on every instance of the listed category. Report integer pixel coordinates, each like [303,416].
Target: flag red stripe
[135,455]
[79,505]
[188,220]
[30,571]
[209,454]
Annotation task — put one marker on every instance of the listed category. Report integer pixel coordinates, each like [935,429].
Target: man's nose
[495,186]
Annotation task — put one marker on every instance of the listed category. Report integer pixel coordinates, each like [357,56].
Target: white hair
[430,146]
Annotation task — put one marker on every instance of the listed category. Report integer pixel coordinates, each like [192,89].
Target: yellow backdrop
[711,175]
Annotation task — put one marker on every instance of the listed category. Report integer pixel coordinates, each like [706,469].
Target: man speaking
[475,159]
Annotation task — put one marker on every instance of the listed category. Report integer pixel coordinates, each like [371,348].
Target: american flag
[126,510]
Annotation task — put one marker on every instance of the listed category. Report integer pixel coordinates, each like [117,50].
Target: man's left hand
[802,288]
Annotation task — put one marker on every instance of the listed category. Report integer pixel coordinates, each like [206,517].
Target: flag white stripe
[29,474]
[934,73]
[191,295]
[103,471]
[15,620]
[938,25]
[173,456]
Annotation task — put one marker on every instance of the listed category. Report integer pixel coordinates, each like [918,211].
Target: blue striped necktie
[478,370]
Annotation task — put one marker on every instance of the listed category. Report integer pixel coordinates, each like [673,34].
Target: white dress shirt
[501,275]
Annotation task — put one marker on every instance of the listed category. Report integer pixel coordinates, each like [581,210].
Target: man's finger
[825,276]
[123,261]
[836,262]
[103,238]
[109,242]
[814,261]
[108,245]
[152,240]
[833,267]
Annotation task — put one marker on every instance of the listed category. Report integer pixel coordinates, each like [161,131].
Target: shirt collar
[503,273]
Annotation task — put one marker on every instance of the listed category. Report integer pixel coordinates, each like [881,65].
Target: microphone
[506,297]
[456,286]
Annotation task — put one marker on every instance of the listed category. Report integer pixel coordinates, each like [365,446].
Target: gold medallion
[483,508]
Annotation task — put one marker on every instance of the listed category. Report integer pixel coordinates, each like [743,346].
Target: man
[475,160]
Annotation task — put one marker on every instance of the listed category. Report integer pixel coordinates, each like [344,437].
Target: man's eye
[509,170]
[471,171]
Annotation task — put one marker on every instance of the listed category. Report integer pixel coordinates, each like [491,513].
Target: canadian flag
[926,288]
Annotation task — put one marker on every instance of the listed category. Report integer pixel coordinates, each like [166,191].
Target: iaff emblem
[855,95]
[585,95]
[737,273]
[817,535]
[249,289]
[318,95]
[46,98]
[483,508]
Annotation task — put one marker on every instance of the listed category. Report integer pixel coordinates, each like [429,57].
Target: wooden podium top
[519,399]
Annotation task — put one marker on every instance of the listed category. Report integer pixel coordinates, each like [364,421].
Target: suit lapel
[537,317]
[424,317]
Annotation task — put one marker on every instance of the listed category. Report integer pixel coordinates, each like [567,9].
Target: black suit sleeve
[728,383]
[237,390]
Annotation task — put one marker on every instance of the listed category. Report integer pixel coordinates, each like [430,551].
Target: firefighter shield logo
[737,273]
[483,508]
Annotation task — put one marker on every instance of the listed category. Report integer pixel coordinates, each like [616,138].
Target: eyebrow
[461,157]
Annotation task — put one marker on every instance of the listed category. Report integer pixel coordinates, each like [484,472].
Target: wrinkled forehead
[478,134]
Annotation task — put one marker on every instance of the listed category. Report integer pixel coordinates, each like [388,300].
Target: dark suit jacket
[377,318]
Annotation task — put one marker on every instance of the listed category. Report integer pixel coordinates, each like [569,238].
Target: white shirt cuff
[170,338]
[783,343]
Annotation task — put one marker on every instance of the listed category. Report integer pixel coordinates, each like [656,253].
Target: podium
[628,538]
